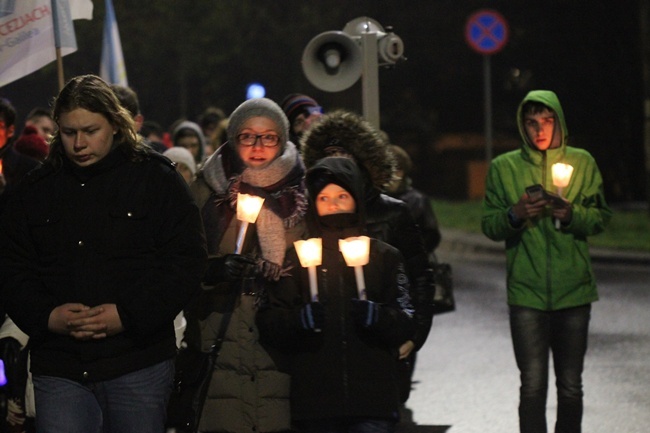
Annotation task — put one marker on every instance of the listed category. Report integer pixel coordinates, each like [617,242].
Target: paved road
[467,380]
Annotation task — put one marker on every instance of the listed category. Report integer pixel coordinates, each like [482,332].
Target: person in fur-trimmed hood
[345,133]
[248,392]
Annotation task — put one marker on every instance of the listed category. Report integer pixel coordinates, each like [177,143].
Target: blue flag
[112,68]
[64,36]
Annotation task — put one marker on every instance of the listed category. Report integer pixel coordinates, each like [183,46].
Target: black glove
[237,267]
[365,313]
[230,267]
[312,317]
[272,271]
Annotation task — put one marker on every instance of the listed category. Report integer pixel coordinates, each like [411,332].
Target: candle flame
[310,252]
[355,250]
[561,174]
[248,207]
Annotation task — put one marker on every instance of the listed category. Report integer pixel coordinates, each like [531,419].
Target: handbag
[443,299]
[191,381]
[192,378]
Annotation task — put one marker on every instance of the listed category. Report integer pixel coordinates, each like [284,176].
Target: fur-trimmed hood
[355,135]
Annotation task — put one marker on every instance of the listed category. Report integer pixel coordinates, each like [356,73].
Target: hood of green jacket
[551,100]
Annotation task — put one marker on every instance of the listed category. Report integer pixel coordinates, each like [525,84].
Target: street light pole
[370,79]
[645,58]
[487,100]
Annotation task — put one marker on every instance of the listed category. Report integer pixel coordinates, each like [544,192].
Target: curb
[459,241]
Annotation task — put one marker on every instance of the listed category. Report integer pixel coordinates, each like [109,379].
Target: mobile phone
[535,192]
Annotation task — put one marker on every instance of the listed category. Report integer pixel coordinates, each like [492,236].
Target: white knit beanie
[182,156]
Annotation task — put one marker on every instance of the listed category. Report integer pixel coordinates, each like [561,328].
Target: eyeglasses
[267,140]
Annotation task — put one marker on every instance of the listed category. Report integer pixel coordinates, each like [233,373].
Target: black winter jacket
[117,231]
[389,220]
[344,370]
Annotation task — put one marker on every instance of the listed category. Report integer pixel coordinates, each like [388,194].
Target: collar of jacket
[114,158]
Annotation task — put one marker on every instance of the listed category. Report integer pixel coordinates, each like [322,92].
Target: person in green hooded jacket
[550,280]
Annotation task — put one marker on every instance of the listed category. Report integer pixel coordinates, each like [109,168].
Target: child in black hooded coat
[342,351]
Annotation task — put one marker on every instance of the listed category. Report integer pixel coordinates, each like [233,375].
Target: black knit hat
[295,104]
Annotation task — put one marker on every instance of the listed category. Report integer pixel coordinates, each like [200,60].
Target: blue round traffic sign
[486,31]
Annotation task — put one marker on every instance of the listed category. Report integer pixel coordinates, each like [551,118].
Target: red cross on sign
[486,31]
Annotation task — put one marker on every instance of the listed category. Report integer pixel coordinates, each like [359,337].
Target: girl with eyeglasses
[248,392]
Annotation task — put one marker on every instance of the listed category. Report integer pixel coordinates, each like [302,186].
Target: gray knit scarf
[270,227]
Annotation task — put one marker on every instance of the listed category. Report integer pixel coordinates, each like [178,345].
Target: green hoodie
[548,269]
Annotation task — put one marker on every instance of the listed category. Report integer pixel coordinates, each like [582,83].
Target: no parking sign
[486,31]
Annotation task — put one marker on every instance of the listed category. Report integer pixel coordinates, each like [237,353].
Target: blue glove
[312,317]
[365,313]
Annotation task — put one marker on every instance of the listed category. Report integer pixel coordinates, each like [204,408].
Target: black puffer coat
[119,231]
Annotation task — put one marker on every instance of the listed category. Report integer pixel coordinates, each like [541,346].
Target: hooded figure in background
[418,202]
[190,136]
[302,111]
[387,219]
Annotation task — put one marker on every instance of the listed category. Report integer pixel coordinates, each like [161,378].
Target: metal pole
[370,78]
[59,69]
[645,57]
[487,99]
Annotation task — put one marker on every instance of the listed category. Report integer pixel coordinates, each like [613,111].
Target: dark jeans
[347,425]
[134,402]
[534,334]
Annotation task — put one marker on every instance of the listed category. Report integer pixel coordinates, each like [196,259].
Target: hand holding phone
[537,192]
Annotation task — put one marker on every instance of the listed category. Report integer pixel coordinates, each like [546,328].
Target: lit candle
[248,208]
[310,253]
[356,252]
[561,176]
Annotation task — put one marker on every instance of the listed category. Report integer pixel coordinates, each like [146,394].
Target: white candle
[561,174]
[310,254]
[561,177]
[248,208]
[356,252]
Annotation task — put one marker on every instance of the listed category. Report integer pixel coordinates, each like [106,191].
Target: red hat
[31,144]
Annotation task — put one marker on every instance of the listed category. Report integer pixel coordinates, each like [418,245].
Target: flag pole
[59,68]
[56,14]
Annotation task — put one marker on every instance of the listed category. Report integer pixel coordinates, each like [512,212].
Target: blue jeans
[534,334]
[134,402]
[347,425]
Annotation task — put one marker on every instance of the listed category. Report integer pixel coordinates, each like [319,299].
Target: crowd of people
[121,243]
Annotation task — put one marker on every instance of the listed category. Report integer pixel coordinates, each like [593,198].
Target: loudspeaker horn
[332,61]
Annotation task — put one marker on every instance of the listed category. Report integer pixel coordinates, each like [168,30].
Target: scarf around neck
[281,184]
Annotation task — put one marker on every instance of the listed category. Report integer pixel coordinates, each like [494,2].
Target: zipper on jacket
[344,334]
[547,238]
